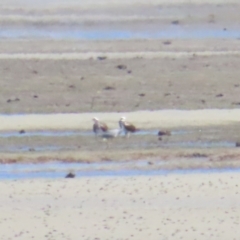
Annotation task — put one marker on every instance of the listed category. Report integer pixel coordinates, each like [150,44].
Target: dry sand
[175,206]
[142,119]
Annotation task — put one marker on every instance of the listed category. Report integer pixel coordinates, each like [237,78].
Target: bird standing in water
[101,130]
[99,127]
[127,127]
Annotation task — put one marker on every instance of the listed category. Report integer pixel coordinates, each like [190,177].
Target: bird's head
[122,119]
[95,119]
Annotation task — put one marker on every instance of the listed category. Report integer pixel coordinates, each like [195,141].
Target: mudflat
[45,68]
[164,65]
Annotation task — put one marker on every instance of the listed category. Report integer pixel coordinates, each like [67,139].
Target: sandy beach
[143,119]
[175,206]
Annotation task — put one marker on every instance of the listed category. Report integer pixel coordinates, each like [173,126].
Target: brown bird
[164,133]
[99,127]
[127,127]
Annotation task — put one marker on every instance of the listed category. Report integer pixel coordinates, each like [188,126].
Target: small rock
[102,58]
[129,71]
[199,155]
[71,86]
[121,67]
[235,103]
[35,96]
[136,105]
[167,42]
[9,100]
[70,175]
[141,94]
[22,131]
[109,88]
[175,22]
[237,144]
[219,95]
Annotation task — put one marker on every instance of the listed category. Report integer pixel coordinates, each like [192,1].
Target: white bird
[112,133]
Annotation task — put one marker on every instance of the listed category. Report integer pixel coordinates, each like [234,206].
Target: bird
[126,127]
[112,133]
[109,134]
[101,130]
[99,127]
[163,133]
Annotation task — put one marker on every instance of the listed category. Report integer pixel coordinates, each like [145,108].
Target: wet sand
[175,206]
[69,85]
[118,72]
[173,83]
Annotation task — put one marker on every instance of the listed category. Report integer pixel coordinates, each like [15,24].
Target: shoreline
[143,119]
[59,170]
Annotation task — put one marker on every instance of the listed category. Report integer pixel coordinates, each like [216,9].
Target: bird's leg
[107,144]
[97,137]
[126,133]
[120,132]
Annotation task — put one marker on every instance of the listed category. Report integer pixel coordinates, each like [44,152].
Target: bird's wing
[130,127]
[103,126]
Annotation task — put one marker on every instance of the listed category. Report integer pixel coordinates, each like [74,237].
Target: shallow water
[45,134]
[73,133]
[138,144]
[202,144]
[79,33]
[59,170]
